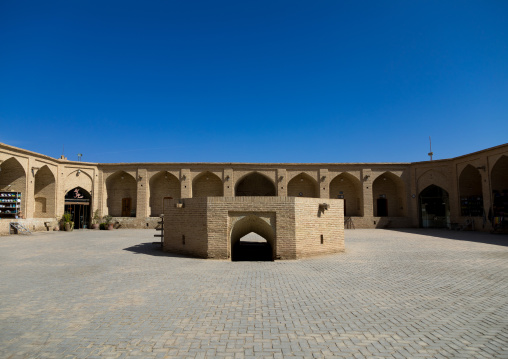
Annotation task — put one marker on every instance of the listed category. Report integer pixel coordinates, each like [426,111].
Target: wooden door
[126,207]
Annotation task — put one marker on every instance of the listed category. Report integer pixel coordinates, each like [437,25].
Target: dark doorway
[77,203]
[126,207]
[252,247]
[382,207]
[434,208]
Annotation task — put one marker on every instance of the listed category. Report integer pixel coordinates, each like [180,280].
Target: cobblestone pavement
[393,294]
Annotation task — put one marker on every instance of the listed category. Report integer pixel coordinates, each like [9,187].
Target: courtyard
[392,294]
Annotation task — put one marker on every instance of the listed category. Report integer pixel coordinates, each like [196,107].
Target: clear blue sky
[254,81]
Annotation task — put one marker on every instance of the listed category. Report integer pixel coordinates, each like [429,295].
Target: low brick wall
[134,222]
[32,224]
[293,226]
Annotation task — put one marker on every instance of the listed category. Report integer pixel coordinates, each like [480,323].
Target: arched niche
[207,184]
[255,184]
[499,183]
[121,189]
[44,193]
[303,185]
[162,184]
[434,207]
[13,178]
[388,195]
[261,251]
[470,192]
[347,187]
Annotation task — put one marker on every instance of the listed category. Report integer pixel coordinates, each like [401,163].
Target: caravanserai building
[466,192]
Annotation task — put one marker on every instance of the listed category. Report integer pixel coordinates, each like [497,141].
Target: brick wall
[303,184]
[118,188]
[13,178]
[387,185]
[44,193]
[207,185]
[210,225]
[255,184]
[318,232]
[351,190]
[470,182]
[185,228]
[162,185]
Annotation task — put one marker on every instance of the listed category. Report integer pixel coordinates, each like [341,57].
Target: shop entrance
[77,203]
[434,208]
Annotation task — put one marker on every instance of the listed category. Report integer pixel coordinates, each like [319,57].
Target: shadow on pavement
[470,236]
[152,249]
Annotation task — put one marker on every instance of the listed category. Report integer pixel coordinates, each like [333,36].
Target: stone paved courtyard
[393,294]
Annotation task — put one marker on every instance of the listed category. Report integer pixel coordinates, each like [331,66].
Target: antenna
[63,149]
[430,153]
[79,157]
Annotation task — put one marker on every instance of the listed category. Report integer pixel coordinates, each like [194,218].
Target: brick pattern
[45,192]
[255,184]
[392,294]
[118,188]
[470,182]
[389,186]
[318,231]
[500,174]
[213,224]
[207,185]
[185,227]
[411,179]
[349,187]
[304,185]
[13,174]
[162,185]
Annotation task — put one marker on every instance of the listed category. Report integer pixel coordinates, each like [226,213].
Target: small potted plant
[96,219]
[68,224]
[107,222]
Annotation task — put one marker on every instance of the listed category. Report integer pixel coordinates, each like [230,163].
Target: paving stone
[392,294]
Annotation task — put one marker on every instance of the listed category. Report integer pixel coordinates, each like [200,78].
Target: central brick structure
[294,227]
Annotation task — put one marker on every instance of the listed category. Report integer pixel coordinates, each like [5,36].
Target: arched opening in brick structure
[78,204]
[162,184]
[499,182]
[388,196]
[252,239]
[255,184]
[434,207]
[44,193]
[347,187]
[470,192]
[13,179]
[207,184]
[121,188]
[303,185]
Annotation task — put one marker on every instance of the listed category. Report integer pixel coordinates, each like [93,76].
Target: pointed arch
[121,190]
[255,184]
[44,193]
[13,178]
[470,192]
[434,207]
[207,184]
[499,183]
[162,184]
[388,195]
[303,185]
[349,188]
[252,224]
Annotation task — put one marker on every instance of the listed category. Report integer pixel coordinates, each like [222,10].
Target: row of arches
[388,190]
